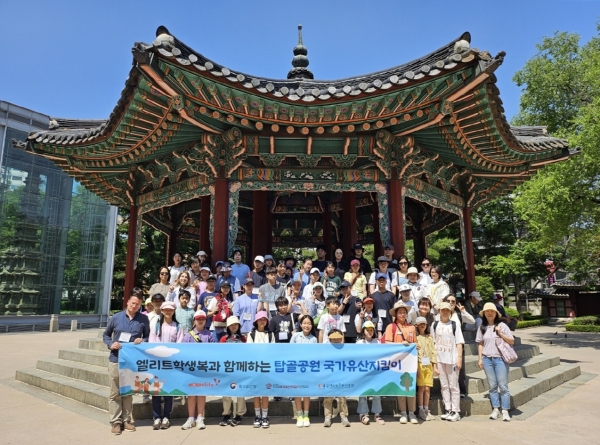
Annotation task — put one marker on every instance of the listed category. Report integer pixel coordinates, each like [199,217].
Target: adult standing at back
[162,287]
[388,252]
[425,279]
[238,269]
[176,268]
[391,278]
[340,264]
[357,253]
[438,289]
[128,326]
[258,275]
[321,261]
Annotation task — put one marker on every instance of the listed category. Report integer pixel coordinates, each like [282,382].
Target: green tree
[561,89]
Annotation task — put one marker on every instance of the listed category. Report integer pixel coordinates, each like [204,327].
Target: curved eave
[171,49]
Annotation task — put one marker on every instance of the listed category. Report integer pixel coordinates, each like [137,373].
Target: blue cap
[248,280]
[380,275]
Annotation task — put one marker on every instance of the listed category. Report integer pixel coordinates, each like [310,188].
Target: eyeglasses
[425,264]
[403,262]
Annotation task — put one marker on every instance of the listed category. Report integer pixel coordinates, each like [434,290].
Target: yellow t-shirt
[359,284]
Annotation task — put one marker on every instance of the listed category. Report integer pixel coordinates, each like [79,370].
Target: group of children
[274,316]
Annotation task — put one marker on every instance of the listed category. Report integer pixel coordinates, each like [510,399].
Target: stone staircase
[81,374]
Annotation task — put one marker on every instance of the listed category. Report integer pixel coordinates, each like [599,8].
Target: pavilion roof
[175,100]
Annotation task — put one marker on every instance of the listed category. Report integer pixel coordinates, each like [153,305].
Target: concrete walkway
[567,413]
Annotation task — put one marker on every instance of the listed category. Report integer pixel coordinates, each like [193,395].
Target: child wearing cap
[369,337]
[400,331]
[406,297]
[269,292]
[382,269]
[331,320]
[239,409]
[166,330]
[260,334]
[449,342]
[417,290]
[367,313]
[335,336]
[219,306]
[184,314]
[356,279]
[426,366]
[350,307]
[196,404]
[148,308]
[315,277]
[246,306]
[315,305]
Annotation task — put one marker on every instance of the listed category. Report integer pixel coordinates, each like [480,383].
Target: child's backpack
[435,324]
[318,317]
[223,311]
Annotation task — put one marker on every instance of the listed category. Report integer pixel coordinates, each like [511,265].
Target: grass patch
[582,327]
[531,323]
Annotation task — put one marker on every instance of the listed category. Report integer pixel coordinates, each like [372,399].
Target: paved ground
[30,415]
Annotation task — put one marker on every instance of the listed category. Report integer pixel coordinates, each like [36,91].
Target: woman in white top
[438,289]
[176,268]
[260,334]
[183,283]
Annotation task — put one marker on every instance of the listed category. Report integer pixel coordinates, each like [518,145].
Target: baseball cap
[259,258]
[420,320]
[199,314]
[404,287]
[201,253]
[344,284]
[353,262]
[315,269]
[380,275]
[167,305]
[368,324]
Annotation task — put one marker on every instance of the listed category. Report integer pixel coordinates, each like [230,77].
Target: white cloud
[162,351]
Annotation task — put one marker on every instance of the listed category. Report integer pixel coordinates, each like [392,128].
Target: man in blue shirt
[245,307]
[238,269]
[129,326]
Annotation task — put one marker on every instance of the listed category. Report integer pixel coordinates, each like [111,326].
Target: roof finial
[300,61]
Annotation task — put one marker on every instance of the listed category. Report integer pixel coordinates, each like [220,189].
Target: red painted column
[205,226]
[221,221]
[261,225]
[470,265]
[377,246]
[129,259]
[349,229]
[396,216]
[327,232]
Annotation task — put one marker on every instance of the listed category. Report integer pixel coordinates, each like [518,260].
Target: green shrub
[531,323]
[582,327]
[511,312]
[588,320]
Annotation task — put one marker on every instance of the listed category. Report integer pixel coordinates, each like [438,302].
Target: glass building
[56,238]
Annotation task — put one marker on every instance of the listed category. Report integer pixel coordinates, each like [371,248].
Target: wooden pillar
[470,256]
[377,246]
[327,232]
[420,242]
[221,221]
[396,215]
[349,229]
[205,226]
[172,248]
[261,225]
[129,259]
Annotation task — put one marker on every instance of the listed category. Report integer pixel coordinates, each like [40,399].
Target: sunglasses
[451,301]
[164,273]
[403,262]
[425,264]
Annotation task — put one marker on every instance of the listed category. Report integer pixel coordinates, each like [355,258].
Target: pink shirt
[489,339]
[171,333]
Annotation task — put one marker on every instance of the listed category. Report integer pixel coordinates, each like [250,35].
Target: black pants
[462,376]
[349,339]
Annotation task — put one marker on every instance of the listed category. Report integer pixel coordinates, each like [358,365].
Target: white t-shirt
[445,342]
[388,281]
[327,322]
[175,271]
[374,341]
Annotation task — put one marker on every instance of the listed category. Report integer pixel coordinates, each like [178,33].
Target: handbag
[506,351]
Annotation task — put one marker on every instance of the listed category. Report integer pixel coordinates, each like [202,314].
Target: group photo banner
[279,369]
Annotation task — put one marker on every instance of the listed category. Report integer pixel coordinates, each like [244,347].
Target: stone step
[94,344]
[478,382]
[90,357]
[100,334]
[75,370]
[523,352]
[521,391]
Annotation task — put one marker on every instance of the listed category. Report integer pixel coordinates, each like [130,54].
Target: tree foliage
[561,204]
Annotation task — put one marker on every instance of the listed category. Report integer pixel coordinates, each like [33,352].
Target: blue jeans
[496,371]
[363,406]
[156,408]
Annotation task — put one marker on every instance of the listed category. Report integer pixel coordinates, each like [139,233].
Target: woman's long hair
[161,319]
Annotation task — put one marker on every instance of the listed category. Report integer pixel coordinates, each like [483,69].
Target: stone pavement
[29,415]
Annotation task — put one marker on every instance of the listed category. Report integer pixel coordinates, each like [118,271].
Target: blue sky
[71,58]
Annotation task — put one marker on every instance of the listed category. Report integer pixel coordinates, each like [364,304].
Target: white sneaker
[429,415]
[306,422]
[156,424]
[200,423]
[505,415]
[453,417]
[495,414]
[445,415]
[300,421]
[403,418]
[412,418]
[190,423]
[345,421]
